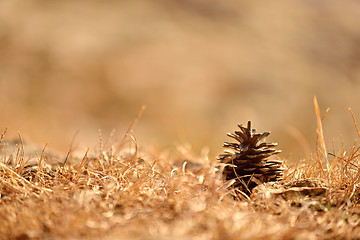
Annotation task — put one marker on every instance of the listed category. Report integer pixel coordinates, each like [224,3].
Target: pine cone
[248,164]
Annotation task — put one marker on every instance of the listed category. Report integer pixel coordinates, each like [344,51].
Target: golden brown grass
[124,193]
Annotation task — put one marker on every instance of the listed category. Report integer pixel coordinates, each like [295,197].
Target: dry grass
[124,193]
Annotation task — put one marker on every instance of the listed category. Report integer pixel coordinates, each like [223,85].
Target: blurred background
[200,67]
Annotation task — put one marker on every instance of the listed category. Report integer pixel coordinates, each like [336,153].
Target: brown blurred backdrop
[200,67]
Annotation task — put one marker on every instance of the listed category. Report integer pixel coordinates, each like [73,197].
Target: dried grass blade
[132,125]
[321,135]
[82,164]
[3,135]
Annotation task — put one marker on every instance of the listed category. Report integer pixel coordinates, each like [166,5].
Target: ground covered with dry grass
[121,192]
